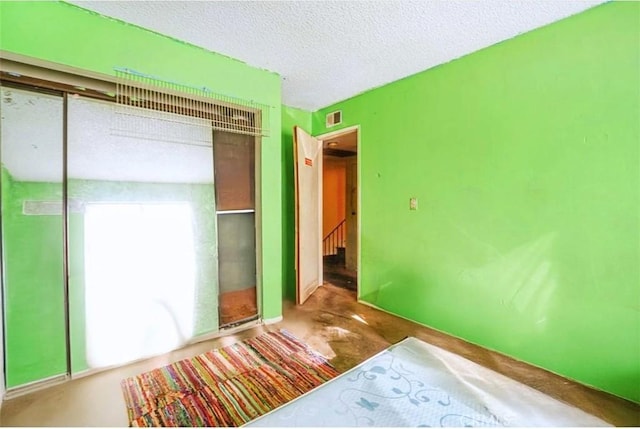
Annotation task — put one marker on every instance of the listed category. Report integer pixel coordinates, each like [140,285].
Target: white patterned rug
[415,384]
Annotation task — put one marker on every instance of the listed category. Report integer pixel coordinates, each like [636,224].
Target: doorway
[339,243]
[340,247]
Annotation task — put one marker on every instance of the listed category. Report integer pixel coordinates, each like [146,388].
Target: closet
[126,232]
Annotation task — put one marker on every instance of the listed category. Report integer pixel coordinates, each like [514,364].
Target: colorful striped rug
[228,386]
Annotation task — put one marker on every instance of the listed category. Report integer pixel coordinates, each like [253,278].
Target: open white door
[308,179]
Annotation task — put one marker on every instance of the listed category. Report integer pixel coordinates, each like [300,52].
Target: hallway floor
[338,275]
[331,322]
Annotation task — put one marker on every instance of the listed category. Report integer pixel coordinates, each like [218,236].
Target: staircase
[334,242]
[334,255]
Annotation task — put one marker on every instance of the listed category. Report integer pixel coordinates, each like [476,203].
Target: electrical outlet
[413,203]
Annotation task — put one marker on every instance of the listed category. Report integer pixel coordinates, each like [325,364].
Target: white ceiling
[327,51]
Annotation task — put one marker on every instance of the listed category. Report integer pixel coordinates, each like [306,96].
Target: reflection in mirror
[234,158]
[237,250]
[142,251]
[235,170]
[32,235]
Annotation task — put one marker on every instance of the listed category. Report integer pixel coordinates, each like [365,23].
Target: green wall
[2,360]
[291,117]
[49,31]
[33,284]
[4,188]
[5,183]
[524,158]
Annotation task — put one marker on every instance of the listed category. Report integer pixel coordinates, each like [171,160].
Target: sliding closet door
[142,233]
[32,235]
[234,156]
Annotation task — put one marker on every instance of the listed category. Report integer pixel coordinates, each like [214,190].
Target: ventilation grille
[50,208]
[146,97]
[334,118]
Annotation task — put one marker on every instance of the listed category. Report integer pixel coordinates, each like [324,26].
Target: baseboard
[272,320]
[24,389]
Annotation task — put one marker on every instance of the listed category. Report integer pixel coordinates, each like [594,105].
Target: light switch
[413,203]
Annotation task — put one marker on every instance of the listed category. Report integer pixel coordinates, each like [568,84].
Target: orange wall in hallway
[333,196]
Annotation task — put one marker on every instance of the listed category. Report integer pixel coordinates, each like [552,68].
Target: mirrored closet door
[143,274]
[153,252]
[31,154]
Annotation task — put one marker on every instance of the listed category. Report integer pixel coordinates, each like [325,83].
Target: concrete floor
[327,323]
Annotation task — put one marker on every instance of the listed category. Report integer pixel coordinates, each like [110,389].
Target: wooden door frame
[331,135]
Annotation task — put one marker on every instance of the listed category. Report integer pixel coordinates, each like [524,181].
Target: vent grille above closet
[142,96]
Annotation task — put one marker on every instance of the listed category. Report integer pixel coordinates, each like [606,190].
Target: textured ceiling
[327,51]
